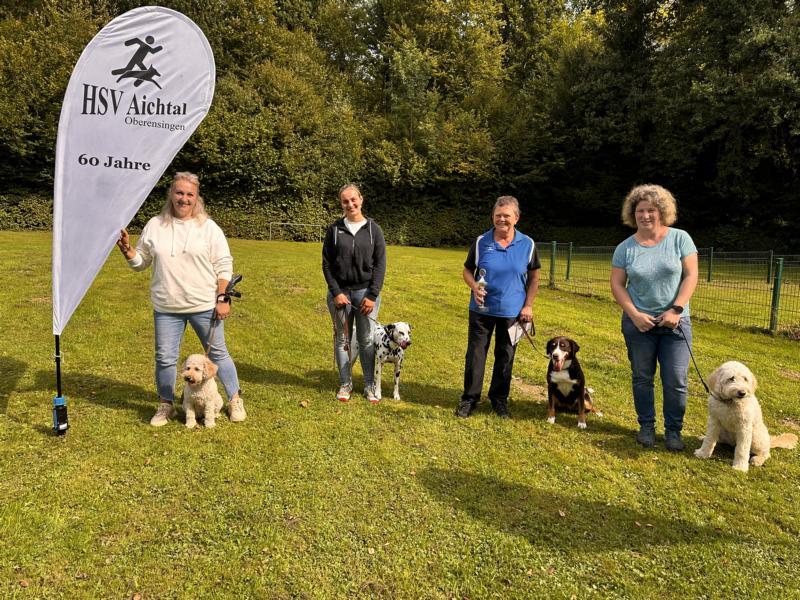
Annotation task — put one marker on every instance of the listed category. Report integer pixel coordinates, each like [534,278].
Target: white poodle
[734,418]
[200,394]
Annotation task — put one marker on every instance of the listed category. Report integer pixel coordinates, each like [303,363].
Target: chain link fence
[747,289]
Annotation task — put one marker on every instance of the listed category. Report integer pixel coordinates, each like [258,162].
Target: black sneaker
[647,436]
[464,409]
[673,441]
[502,412]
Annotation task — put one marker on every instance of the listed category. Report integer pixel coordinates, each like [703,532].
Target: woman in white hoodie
[192,266]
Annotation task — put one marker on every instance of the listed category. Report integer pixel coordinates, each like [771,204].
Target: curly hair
[660,197]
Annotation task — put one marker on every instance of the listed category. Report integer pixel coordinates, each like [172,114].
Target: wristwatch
[677,308]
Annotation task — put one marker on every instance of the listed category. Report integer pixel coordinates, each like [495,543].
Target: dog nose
[741,393]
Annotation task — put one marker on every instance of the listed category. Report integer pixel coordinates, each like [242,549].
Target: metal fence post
[710,263]
[569,259]
[769,265]
[553,249]
[776,296]
[270,231]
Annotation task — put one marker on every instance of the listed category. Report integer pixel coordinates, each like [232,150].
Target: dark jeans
[668,348]
[480,337]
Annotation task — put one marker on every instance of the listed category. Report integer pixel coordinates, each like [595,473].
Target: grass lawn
[311,498]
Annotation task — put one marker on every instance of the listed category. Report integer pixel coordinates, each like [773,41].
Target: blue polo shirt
[506,272]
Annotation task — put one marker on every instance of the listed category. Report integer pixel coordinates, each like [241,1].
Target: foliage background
[436,107]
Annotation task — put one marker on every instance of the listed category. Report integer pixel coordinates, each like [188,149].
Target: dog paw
[210,423]
[396,396]
[581,425]
[700,453]
[551,420]
[598,414]
[741,467]
[191,424]
[757,461]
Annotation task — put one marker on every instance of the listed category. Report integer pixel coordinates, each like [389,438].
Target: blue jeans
[668,348]
[169,333]
[364,333]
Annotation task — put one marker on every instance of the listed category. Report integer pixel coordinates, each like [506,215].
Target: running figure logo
[136,68]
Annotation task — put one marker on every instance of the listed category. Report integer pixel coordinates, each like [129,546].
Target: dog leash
[683,335]
[530,339]
[345,329]
[230,292]
[211,330]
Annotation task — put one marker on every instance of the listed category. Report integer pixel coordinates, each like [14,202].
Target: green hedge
[427,224]
[25,211]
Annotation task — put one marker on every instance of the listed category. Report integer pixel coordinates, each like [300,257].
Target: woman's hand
[669,318]
[480,294]
[643,321]
[367,306]
[340,301]
[526,314]
[222,310]
[124,244]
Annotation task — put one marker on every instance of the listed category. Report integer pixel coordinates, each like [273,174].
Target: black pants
[480,337]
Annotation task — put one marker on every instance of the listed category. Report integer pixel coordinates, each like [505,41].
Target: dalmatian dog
[390,343]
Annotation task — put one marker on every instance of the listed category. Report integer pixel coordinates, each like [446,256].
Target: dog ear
[755,381]
[713,379]
[209,369]
[575,347]
[548,349]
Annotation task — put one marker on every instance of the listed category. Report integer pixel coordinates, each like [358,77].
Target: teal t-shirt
[654,272]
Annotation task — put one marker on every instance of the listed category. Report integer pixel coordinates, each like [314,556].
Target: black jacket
[354,262]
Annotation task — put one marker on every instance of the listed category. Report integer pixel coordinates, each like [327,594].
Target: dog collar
[723,400]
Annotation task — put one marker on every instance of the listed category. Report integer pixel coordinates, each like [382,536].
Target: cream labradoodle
[200,394]
[734,418]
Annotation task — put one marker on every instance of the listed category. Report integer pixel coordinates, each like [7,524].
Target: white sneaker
[236,410]
[369,393]
[343,395]
[166,411]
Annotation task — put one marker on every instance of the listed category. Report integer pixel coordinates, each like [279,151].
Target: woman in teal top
[653,277]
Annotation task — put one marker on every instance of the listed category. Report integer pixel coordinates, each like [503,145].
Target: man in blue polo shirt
[502,270]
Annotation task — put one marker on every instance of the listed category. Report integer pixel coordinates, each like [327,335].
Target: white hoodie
[188,258]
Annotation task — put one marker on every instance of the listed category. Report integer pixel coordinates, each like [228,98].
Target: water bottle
[482,286]
[60,421]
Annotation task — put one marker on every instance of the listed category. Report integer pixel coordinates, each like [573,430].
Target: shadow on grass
[535,514]
[315,380]
[12,370]
[102,391]
[420,393]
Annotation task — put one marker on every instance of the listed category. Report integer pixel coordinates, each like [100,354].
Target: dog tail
[784,440]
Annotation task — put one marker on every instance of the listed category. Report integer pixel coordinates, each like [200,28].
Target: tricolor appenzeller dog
[566,385]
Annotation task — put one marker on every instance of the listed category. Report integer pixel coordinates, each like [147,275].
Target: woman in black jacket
[354,265]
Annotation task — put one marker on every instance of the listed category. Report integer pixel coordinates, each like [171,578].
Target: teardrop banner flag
[138,91]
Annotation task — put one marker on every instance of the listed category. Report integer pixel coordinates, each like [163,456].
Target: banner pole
[58,366]
[60,421]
